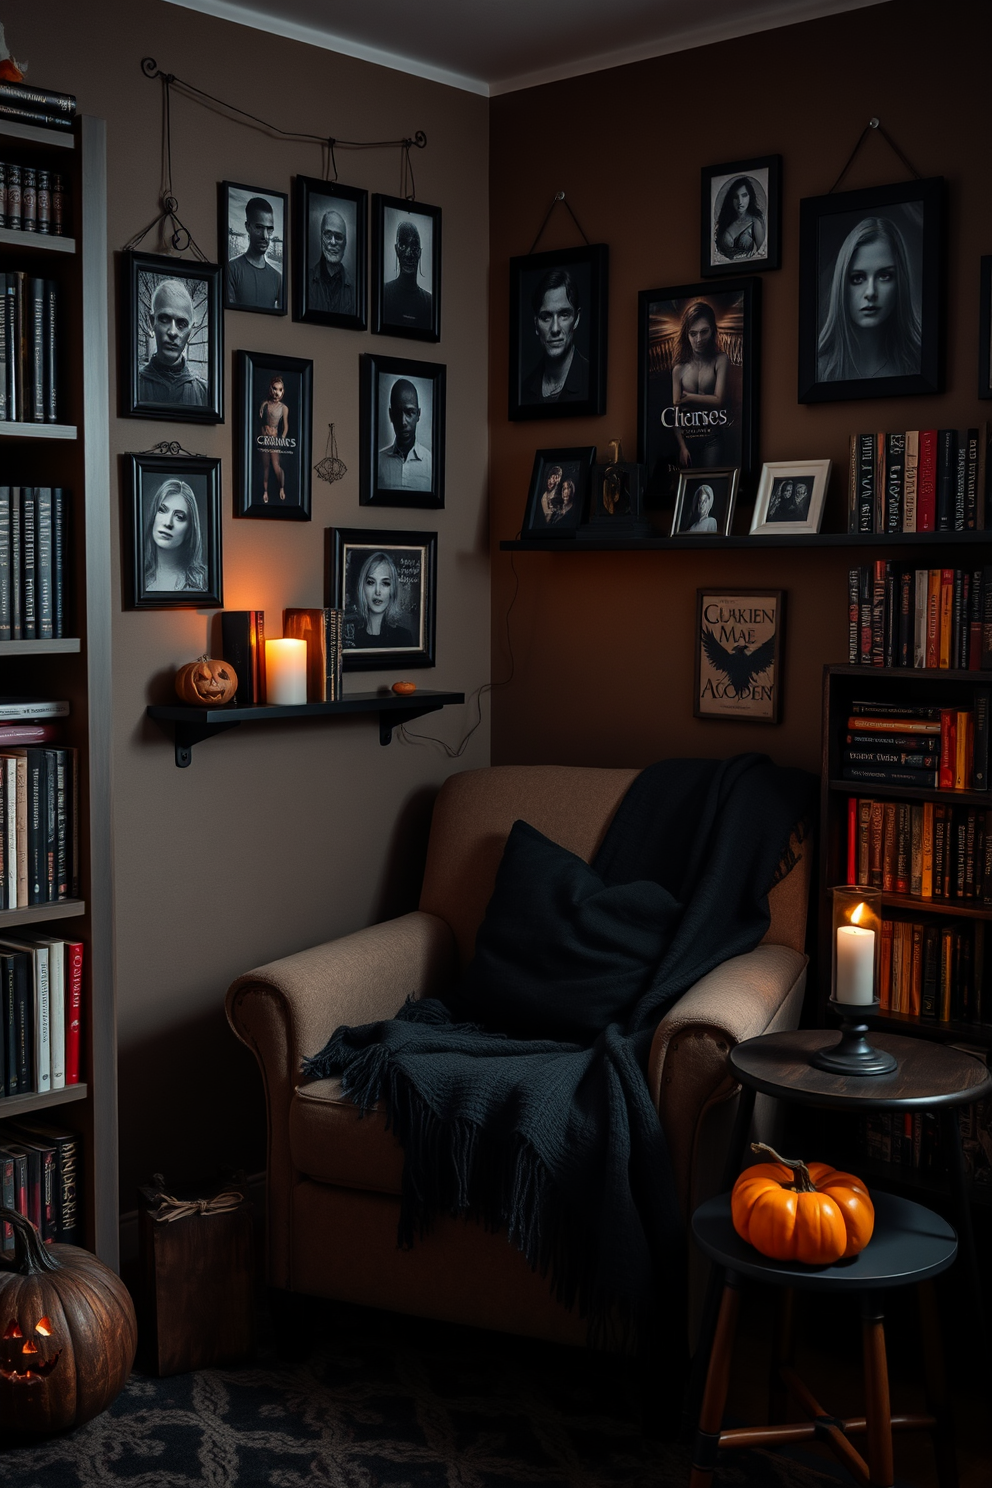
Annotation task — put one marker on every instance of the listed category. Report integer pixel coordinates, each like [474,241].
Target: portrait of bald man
[166,377]
[407,249]
[173,338]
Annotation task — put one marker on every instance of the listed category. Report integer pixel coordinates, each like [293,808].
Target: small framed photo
[251,238]
[401,426]
[173,339]
[559,491]
[406,268]
[741,216]
[704,503]
[871,287]
[386,583]
[558,317]
[985,331]
[274,436]
[329,253]
[738,672]
[790,496]
[175,533]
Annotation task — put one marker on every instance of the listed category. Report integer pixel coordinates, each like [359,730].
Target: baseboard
[129,1221]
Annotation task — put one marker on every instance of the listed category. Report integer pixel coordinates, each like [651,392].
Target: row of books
[40,1177]
[32,200]
[41,985]
[911,1140]
[924,618]
[28,105]
[39,817]
[924,747]
[925,480]
[28,349]
[925,849]
[32,562]
[243,645]
[934,970]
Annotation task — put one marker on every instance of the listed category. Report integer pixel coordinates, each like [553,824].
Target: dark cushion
[560,954]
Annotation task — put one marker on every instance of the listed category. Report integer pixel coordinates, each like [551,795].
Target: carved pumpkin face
[207,682]
[28,1355]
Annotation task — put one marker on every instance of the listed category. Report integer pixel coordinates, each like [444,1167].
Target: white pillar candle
[855,964]
[286,672]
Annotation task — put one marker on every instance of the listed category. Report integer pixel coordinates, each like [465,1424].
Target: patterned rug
[385,1402]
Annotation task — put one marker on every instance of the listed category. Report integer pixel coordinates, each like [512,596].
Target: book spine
[960,478]
[879,511]
[58,561]
[853,610]
[13,196]
[926,871]
[5,634]
[864,616]
[976,600]
[56,1010]
[891,617]
[947,459]
[946,617]
[903,847]
[43,565]
[866,483]
[982,701]
[36,349]
[852,839]
[29,613]
[948,748]
[911,480]
[236,646]
[895,463]
[922,578]
[74,1011]
[890,775]
[34,116]
[51,353]
[878,613]
[3,320]
[958,614]
[13,339]
[916,850]
[908,759]
[971,501]
[864,842]
[63,785]
[42,1024]
[20,94]
[852,482]
[908,743]
[904,652]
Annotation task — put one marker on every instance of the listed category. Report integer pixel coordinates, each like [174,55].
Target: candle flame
[859,914]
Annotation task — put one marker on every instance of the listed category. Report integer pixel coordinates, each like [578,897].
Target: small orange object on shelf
[404,688]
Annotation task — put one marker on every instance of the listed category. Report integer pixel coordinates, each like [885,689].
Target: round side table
[909,1246]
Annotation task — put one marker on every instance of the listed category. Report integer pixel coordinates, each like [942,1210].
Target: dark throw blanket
[558,1141]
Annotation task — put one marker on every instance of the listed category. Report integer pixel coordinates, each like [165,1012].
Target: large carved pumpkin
[67,1334]
[207,683]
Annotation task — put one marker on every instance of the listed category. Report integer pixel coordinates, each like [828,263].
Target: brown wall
[275,838]
[602,643]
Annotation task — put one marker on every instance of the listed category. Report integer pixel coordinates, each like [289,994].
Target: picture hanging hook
[875,123]
[559,196]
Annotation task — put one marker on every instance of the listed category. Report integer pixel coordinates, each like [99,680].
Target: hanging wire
[873,124]
[181,238]
[558,197]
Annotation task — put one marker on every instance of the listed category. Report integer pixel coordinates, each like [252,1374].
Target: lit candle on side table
[855,981]
[856,925]
[286,672]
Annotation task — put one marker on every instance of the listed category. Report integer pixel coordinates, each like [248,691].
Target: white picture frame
[790,497]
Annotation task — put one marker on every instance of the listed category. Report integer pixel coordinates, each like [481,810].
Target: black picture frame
[249,287]
[184,357]
[413,309]
[985,330]
[729,243]
[718,437]
[264,456]
[380,464]
[313,199]
[412,557]
[195,487]
[570,275]
[550,512]
[732,627]
[695,512]
[890,343]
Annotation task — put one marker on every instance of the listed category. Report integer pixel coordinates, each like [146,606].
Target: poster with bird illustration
[738,653]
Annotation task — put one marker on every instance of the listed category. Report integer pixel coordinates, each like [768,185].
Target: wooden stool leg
[783,1355]
[878,1411]
[938,1400]
[715,1391]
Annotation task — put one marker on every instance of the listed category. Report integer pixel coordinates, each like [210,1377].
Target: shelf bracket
[188,734]
[395,719]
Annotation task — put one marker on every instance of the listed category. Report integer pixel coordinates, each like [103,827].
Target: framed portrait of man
[406,268]
[558,320]
[173,339]
[329,250]
[871,282]
[251,239]
[697,381]
[386,584]
[274,436]
[401,429]
[174,527]
[741,216]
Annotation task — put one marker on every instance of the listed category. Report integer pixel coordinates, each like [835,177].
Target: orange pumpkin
[404,689]
[793,1211]
[207,683]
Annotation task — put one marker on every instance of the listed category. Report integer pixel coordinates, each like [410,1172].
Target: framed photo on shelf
[275,403]
[985,331]
[401,429]
[251,239]
[172,339]
[329,252]
[704,502]
[559,491]
[406,268]
[558,320]
[741,205]
[738,654]
[790,496]
[871,286]
[174,526]
[386,583]
[697,380]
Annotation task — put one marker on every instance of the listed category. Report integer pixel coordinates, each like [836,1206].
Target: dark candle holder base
[853,1055]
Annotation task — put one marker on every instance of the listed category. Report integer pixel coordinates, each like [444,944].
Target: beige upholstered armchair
[334,1180]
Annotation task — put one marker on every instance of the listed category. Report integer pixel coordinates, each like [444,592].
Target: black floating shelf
[193,725]
[758,540]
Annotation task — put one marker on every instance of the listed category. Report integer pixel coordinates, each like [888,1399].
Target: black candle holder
[853,1055]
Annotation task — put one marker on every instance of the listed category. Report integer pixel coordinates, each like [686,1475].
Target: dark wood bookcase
[75,455]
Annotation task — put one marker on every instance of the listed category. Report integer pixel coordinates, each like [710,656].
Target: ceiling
[497,46]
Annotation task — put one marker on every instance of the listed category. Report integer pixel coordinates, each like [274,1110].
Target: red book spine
[948,747]
[926,482]
[73,1010]
[852,839]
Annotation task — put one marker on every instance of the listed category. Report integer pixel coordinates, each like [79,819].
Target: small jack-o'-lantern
[67,1334]
[207,683]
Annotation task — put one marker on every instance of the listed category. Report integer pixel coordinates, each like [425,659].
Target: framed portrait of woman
[704,503]
[386,584]
[697,381]
[175,532]
[871,281]
[741,224]
[558,317]
[559,492]
[274,437]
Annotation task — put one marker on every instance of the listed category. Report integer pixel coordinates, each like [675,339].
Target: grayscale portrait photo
[404,411]
[384,598]
[554,334]
[790,498]
[172,334]
[331,248]
[869,307]
[407,272]
[254,248]
[739,218]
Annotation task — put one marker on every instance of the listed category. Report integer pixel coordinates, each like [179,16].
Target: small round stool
[909,1246]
